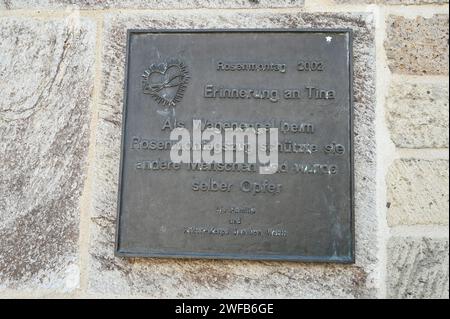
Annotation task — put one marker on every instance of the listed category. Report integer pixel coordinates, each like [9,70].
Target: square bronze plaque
[296,81]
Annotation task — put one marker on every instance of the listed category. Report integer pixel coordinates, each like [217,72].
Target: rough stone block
[391,2]
[418,192]
[418,45]
[417,268]
[417,114]
[46,82]
[148,4]
[214,278]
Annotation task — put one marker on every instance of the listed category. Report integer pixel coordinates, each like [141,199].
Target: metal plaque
[185,90]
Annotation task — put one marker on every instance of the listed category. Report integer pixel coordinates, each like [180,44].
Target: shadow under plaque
[182,82]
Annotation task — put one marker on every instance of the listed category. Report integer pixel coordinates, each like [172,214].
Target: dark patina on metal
[299,81]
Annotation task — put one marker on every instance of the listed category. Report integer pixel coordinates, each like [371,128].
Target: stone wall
[61,79]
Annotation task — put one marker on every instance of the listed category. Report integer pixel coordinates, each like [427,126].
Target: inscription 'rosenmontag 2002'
[237,144]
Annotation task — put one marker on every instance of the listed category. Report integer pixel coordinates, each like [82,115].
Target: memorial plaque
[289,94]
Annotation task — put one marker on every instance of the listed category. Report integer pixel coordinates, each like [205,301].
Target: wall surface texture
[61,85]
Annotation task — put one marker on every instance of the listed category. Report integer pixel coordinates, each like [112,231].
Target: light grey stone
[46,81]
[213,278]
[417,114]
[148,4]
[417,268]
[418,45]
[418,192]
[391,2]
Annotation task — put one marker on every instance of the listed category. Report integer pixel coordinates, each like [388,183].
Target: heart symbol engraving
[166,82]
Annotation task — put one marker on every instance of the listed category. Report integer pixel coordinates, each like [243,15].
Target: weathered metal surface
[298,81]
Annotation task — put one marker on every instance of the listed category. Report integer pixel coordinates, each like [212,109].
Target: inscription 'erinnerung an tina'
[272,95]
